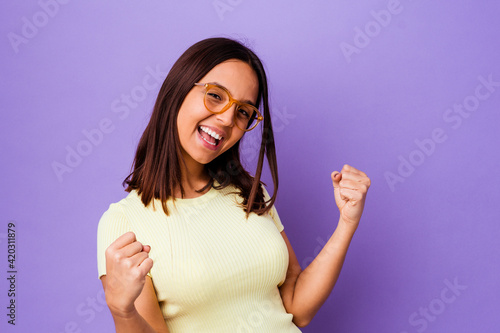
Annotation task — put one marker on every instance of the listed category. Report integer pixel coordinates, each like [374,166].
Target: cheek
[182,126]
[235,137]
[189,115]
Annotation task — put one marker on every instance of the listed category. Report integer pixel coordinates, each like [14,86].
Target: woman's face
[194,120]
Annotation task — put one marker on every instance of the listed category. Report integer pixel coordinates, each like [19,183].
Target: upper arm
[112,225]
[273,213]
[147,306]
[293,271]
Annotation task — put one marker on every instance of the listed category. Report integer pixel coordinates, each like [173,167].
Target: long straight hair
[156,171]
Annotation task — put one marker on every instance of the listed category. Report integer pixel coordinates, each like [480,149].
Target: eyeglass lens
[216,100]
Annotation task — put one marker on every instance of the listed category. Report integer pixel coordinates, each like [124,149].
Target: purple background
[366,109]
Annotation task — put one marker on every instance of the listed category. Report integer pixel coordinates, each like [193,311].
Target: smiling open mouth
[209,136]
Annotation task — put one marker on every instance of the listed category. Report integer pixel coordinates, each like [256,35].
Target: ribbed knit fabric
[214,271]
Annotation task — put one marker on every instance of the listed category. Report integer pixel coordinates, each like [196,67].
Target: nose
[226,118]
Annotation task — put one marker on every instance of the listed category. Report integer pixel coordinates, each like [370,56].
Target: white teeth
[213,144]
[211,133]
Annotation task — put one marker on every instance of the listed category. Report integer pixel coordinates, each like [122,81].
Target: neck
[194,177]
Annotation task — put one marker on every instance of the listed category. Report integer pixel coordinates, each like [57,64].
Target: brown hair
[156,170]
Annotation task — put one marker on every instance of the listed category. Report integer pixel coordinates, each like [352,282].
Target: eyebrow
[245,101]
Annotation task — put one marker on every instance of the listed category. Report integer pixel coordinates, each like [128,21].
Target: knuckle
[136,274]
[109,252]
[128,264]
[128,235]
[143,256]
[117,256]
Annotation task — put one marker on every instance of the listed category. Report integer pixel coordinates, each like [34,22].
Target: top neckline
[210,194]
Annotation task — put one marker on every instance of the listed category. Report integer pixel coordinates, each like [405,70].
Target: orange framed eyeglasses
[217,100]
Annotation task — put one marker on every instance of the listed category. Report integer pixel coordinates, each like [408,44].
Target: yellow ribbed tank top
[214,271]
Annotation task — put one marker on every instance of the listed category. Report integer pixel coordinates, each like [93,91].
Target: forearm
[132,323]
[315,283]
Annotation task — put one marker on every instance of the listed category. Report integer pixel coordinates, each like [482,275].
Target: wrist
[347,226]
[123,312]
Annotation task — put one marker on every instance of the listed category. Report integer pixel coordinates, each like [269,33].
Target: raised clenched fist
[127,264]
[350,187]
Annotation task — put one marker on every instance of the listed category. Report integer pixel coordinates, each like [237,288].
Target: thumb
[336,177]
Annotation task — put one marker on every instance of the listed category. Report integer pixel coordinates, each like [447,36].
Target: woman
[222,262]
